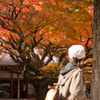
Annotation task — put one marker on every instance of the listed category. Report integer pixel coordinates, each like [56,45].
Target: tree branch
[10,69]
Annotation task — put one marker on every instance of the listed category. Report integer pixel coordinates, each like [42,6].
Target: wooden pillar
[11,85]
[26,90]
[18,93]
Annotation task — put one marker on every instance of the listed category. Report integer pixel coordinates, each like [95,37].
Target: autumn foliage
[33,30]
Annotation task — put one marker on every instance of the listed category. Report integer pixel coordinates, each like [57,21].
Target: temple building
[12,85]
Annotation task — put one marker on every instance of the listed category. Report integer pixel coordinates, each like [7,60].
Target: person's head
[76,53]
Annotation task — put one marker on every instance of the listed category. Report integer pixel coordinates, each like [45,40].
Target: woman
[71,80]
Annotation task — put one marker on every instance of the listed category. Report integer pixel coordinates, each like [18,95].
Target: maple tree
[75,24]
[49,27]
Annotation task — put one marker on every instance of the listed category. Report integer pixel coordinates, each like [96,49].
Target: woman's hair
[77,61]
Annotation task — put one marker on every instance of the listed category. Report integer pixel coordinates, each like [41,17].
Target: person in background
[23,90]
[71,81]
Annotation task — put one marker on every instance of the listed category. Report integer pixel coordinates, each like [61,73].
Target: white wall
[15,75]
[5,74]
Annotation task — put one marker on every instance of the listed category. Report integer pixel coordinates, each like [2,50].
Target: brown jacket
[72,85]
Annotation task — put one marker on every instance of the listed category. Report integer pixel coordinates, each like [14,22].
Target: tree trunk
[41,93]
[95,90]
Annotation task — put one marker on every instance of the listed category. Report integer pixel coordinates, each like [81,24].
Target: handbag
[56,96]
[52,94]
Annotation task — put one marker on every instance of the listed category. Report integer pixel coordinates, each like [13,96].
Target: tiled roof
[7,60]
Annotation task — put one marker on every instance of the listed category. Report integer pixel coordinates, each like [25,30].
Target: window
[4,90]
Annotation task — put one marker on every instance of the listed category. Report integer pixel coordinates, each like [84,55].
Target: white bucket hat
[76,51]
